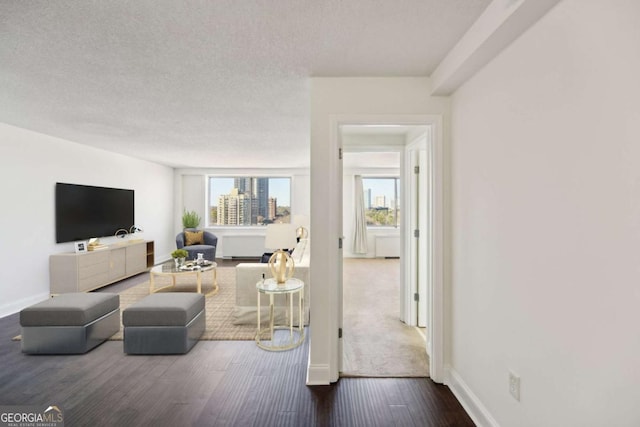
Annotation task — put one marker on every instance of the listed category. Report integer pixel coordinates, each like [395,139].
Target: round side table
[289,289]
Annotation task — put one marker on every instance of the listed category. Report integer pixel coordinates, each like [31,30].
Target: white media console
[86,271]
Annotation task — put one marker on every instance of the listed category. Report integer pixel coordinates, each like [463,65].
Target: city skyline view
[243,200]
[381,201]
[248,201]
[381,187]
[279,188]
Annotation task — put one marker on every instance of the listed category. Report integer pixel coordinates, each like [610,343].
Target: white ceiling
[214,83]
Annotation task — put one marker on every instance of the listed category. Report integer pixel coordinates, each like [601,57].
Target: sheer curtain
[360,225]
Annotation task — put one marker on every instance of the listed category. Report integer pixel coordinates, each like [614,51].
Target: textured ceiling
[205,83]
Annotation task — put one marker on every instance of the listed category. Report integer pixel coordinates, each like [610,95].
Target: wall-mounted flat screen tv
[84,211]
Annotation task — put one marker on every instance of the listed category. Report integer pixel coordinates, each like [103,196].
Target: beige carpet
[376,343]
[219,307]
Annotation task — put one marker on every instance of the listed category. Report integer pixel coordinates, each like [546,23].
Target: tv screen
[84,211]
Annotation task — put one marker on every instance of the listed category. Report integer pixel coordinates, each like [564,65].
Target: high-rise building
[381,202]
[273,208]
[234,208]
[262,196]
[367,198]
[243,185]
[257,191]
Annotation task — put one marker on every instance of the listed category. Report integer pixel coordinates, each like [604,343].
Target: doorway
[384,271]
[319,372]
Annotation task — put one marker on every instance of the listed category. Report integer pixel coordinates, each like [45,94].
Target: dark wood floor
[231,383]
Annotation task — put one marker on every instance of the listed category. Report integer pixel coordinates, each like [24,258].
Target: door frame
[435,324]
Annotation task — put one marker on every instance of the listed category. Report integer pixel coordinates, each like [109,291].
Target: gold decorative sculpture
[281,237]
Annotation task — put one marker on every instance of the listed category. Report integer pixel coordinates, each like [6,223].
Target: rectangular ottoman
[71,323]
[164,323]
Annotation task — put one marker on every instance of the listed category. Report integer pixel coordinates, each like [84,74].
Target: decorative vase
[281,265]
[179,262]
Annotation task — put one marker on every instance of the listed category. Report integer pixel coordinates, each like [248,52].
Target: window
[381,201]
[249,201]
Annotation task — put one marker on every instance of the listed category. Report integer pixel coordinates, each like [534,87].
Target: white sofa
[248,274]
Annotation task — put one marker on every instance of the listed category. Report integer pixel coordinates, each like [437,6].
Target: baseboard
[16,306]
[469,401]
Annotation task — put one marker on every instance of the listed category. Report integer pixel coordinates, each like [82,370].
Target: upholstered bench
[164,323]
[71,323]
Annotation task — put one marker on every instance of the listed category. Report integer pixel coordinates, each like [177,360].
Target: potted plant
[179,256]
[190,219]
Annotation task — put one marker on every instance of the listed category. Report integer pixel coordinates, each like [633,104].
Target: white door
[423,240]
[341,242]
[417,233]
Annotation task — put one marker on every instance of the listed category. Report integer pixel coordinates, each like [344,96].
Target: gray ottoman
[70,323]
[168,323]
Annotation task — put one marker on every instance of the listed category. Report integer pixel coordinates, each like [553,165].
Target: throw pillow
[193,238]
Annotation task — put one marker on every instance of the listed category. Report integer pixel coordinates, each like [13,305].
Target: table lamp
[280,237]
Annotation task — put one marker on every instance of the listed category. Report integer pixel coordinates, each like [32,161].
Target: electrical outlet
[514,385]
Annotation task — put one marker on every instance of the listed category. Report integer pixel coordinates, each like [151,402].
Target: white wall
[30,165]
[546,221]
[333,98]
[191,195]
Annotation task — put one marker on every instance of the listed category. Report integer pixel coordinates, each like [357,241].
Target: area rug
[219,307]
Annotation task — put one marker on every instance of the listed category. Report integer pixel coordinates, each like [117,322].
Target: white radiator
[387,246]
[242,246]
